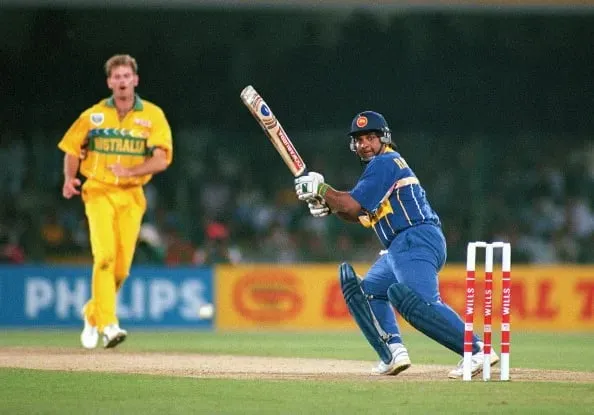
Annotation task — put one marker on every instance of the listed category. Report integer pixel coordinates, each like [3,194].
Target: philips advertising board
[47,296]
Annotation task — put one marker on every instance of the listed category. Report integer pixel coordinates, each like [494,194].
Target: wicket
[488,307]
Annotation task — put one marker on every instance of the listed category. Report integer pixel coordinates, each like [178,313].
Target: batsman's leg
[426,318]
[416,297]
[394,356]
[416,256]
[429,319]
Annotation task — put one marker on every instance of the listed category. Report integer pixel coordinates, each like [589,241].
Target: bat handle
[305,172]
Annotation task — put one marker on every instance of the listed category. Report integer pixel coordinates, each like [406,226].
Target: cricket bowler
[116,145]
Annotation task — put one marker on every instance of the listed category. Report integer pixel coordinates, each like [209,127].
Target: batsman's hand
[307,186]
[318,207]
[70,187]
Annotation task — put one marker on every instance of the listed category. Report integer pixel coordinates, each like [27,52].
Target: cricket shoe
[89,337]
[113,335]
[476,363]
[399,363]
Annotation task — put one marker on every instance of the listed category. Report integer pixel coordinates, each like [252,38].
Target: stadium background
[490,105]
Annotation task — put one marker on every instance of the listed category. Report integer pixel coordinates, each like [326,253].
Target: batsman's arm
[341,203]
[346,217]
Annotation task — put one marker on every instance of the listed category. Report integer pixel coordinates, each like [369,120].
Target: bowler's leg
[100,214]
[127,224]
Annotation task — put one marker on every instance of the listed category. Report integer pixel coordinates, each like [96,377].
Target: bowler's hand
[119,170]
[307,186]
[70,187]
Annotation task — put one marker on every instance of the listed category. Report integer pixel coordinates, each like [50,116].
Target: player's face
[368,145]
[122,81]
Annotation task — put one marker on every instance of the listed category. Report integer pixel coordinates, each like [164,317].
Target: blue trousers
[414,258]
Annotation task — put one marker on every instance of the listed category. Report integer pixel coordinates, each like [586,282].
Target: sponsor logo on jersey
[97,118]
[144,123]
[130,146]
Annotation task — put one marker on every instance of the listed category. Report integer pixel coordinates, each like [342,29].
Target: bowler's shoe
[113,335]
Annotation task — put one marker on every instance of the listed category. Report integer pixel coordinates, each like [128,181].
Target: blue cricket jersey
[391,197]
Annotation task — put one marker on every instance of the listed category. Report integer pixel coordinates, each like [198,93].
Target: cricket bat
[273,130]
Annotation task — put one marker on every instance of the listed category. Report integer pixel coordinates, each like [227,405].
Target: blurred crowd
[233,207]
[495,124]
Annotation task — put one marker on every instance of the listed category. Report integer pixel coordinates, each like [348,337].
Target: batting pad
[361,311]
[425,318]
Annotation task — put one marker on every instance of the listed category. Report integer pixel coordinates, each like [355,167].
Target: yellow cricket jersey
[109,140]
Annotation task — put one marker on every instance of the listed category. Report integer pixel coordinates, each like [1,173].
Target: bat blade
[273,130]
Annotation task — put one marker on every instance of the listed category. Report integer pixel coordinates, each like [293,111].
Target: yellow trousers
[115,215]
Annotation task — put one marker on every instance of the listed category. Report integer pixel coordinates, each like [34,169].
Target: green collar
[138,105]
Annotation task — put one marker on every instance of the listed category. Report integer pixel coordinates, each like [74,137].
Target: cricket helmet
[368,121]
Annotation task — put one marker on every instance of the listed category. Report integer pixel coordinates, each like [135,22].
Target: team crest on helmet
[97,118]
[361,121]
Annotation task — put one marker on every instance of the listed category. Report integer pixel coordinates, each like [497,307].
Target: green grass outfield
[61,392]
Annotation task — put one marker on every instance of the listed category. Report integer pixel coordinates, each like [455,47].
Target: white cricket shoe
[477,363]
[113,335]
[400,361]
[89,337]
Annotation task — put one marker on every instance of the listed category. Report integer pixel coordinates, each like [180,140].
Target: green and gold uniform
[114,205]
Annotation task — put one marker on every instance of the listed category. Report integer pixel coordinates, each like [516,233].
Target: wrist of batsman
[323,189]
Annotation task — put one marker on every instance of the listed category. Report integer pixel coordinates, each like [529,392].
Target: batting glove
[318,207]
[307,186]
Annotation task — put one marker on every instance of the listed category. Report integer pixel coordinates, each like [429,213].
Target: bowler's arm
[71,182]
[154,164]
[71,164]
[157,163]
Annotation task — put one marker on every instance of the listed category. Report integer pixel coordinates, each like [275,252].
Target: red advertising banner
[280,297]
[308,297]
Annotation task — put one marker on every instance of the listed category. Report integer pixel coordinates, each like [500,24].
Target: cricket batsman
[389,199]
[117,145]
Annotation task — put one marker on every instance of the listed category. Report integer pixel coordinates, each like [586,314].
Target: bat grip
[305,172]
